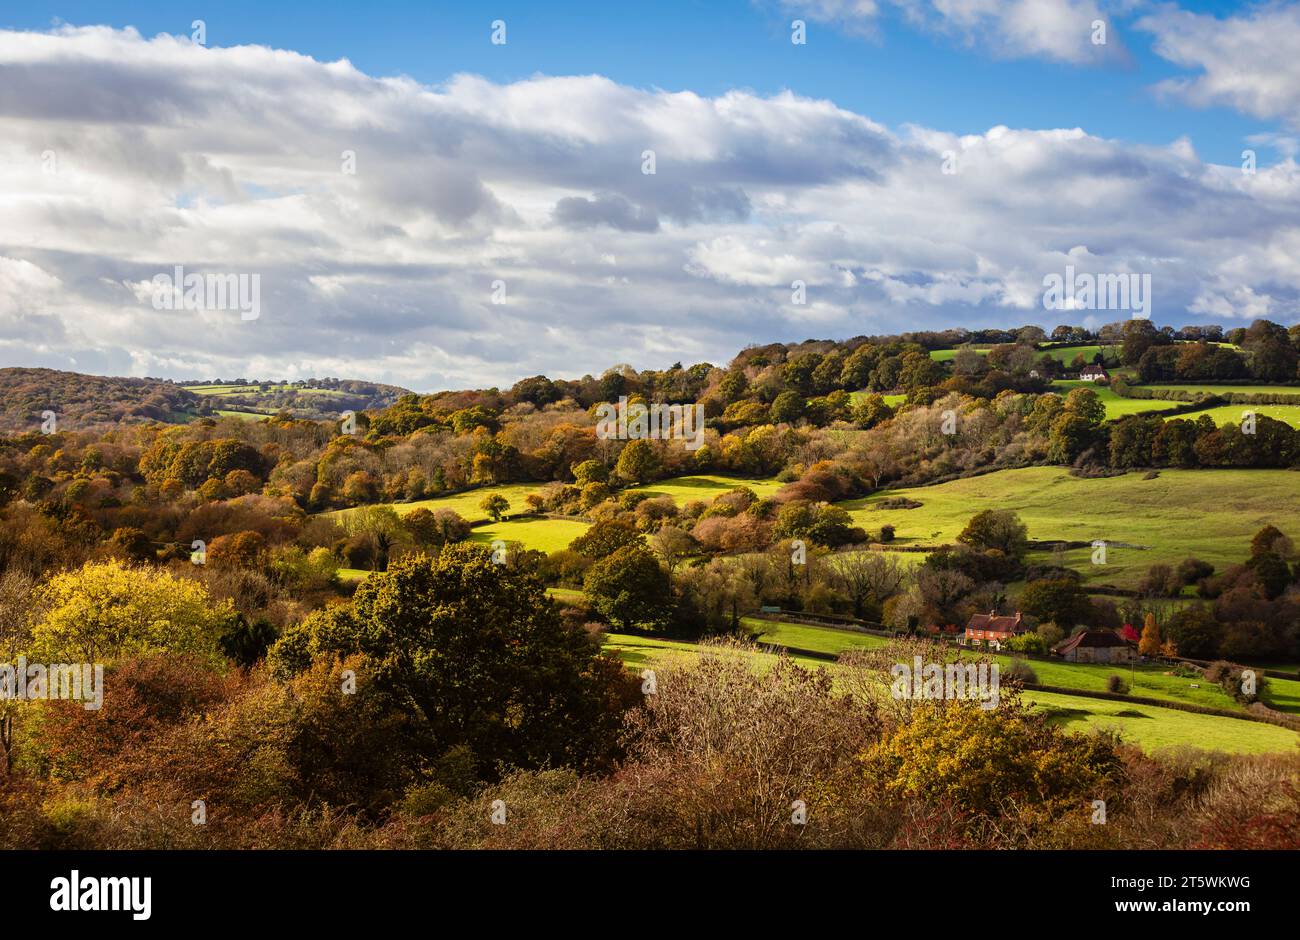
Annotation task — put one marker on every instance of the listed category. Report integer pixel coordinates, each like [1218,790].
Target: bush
[1117,685]
[1028,643]
[1021,672]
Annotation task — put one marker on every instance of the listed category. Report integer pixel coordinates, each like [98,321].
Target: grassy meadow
[1147,726]
[1211,514]
[534,532]
[705,487]
[1116,407]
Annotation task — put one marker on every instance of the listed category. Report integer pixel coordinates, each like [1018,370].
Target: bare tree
[867,576]
[674,546]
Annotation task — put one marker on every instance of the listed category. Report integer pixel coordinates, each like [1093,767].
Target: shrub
[1020,671]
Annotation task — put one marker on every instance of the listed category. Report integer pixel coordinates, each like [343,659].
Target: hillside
[82,401]
[1169,517]
[310,399]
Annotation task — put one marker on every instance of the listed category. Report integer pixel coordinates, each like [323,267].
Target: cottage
[1094,373]
[1096,646]
[991,630]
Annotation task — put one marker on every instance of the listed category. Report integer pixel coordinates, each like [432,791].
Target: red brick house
[991,630]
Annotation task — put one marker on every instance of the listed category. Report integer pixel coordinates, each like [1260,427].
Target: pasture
[1211,514]
[1149,727]
[705,487]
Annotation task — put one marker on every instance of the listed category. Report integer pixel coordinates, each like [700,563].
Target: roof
[1093,369]
[994,623]
[1091,638]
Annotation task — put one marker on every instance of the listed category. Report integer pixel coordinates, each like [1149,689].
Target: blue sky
[917,164]
[902,75]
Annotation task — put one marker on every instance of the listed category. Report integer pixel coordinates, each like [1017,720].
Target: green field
[1116,407]
[705,487]
[245,415]
[1232,414]
[544,535]
[1145,680]
[1152,728]
[805,637]
[219,389]
[1211,514]
[566,595]
[1147,726]
[1228,389]
[638,652]
[246,389]
[1066,354]
[467,503]
[947,355]
[1063,354]
[682,489]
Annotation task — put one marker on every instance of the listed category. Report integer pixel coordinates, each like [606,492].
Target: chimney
[1017,618]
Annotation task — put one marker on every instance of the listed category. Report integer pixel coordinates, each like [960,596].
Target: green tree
[788,407]
[871,410]
[1060,600]
[606,537]
[1087,404]
[435,529]
[589,471]
[1195,632]
[495,505]
[1071,435]
[380,526]
[999,529]
[474,654]
[629,588]
[637,462]
[733,386]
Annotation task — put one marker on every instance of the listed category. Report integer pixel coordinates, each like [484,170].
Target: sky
[450,195]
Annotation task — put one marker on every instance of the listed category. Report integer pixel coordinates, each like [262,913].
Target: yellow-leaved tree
[106,610]
[1150,643]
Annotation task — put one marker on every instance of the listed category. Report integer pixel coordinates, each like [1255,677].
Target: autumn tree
[475,654]
[103,611]
[495,505]
[674,546]
[999,529]
[867,578]
[1150,643]
[436,528]
[379,526]
[606,537]
[637,462]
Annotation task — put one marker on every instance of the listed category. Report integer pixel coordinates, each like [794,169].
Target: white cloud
[1246,62]
[1058,30]
[230,161]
